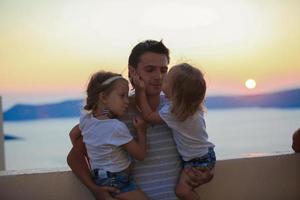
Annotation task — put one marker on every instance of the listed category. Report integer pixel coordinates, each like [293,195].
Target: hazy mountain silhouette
[11,137]
[64,109]
[71,108]
[283,99]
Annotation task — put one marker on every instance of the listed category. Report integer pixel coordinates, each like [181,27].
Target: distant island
[71,108]
[11,137]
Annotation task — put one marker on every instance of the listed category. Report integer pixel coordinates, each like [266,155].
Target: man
[158,173]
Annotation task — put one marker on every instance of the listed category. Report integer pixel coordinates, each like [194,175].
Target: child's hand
[139,124]
[139,84]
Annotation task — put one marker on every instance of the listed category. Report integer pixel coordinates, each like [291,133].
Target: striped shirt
[157,175]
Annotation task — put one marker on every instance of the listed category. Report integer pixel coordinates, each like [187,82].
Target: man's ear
[130,71]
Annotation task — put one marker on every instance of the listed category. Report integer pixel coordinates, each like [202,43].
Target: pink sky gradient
[48,49]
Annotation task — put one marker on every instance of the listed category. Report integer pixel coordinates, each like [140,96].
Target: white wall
[264,178]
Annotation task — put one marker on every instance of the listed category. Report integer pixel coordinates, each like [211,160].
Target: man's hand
[198,177]
[104,193]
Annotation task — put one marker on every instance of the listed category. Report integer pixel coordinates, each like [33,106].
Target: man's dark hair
[147,46]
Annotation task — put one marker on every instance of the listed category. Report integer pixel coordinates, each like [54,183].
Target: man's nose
[158,74]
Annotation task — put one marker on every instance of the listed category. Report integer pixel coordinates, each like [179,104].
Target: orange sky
[48,49]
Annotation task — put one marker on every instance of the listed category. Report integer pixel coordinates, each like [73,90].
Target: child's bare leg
[183,190]
[132,195]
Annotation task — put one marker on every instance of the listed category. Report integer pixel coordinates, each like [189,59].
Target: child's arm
[148,114]
[137,147]
[75,134]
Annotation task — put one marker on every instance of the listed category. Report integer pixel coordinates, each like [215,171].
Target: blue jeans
[207,161]
[121,180]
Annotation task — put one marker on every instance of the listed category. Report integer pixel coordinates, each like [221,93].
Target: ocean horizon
[237,133]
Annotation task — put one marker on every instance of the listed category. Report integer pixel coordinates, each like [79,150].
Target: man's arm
[75,134]
[77,161]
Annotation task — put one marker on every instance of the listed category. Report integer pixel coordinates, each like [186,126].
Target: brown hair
[96,86]
[147,46]
[188,89]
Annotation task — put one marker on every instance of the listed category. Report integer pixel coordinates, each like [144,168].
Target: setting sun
[250,84]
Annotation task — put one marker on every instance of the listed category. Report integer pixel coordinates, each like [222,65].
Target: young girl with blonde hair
[184,88]
[108,140]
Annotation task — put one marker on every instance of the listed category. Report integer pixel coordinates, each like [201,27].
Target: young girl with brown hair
[108,140]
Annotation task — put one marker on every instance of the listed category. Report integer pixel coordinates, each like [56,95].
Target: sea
[236,133]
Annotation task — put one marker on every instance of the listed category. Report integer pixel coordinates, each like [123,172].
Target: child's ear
[102,97]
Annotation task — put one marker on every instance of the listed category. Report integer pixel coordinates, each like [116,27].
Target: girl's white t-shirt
[103,140]
[190,135]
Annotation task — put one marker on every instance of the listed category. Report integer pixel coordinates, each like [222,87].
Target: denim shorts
[207,161]
[121,180]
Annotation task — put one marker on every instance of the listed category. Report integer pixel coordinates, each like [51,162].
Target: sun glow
[223,26]
[58,44]
[250,84]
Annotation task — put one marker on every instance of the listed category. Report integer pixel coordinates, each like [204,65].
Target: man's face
[152,69]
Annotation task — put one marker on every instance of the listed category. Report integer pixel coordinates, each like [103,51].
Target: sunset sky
[49,48]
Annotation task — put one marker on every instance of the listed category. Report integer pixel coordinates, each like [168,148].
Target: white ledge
[274,177]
